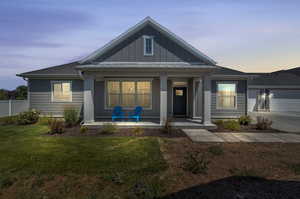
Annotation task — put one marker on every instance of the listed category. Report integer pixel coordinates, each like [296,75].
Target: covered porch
[182,95]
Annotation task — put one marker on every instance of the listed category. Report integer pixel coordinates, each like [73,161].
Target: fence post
[9,107]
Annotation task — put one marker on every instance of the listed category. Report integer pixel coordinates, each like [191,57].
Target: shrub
[232,125]
[109,128]
[83,129]
[219,123]
[216,150]
[8,120]
[6,182]
[245,120]
[71,116]
[44,120]
[28,117]
[57,126]
[263,123]
[146,190]
[167,127]
[195,162]
[137,131]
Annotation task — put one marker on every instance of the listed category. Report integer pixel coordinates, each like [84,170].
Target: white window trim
[52,91]
[152,45]
[217,96]
[106,107]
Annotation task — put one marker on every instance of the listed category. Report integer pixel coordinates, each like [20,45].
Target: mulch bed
[127,132]
[250,129]
[268,163]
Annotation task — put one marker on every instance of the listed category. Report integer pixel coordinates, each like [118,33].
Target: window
[61,91]
[128,94]
[226,96]
[148,45]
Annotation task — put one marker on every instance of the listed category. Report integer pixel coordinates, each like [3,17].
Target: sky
[251,36]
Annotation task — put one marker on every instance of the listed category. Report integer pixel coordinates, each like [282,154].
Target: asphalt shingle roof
[64,69]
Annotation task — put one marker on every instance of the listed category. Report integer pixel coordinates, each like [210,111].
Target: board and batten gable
[241,108]
[40,97]
[132,49]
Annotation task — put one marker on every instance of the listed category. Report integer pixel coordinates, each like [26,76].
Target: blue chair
[117,113]
[136,114]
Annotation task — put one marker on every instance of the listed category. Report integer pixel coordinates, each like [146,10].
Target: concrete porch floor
[152,123]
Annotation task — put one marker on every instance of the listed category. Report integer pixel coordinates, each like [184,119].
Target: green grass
[25,149]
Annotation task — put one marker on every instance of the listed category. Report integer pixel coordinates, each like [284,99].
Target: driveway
[289,122]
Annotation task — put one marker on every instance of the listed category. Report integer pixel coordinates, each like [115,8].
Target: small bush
[109,128]
[216,150]
[83,129]
[28,117]
[232,125]
[294,167]
[195,162]
[263,123]
[9,120]
[245,120]
[57,126]
[138,131]
[44,120]
[219,123]
[167,129]
[71,116]
[146,190]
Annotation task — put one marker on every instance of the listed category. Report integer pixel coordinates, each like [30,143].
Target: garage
[275,92]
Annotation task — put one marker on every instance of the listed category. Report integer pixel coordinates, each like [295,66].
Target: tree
[21,92]
[3,94]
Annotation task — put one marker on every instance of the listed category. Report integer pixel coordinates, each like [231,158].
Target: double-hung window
[226,95]
[148,46]
[61,91]
[129,94]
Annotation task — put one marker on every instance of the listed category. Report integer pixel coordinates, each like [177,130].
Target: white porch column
[197,97]
[163,99]
[88,104]
[206,118]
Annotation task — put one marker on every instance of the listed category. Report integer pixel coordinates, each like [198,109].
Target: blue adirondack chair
[117,113]
[136,114]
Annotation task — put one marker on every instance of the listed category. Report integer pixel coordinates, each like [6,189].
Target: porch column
[88,104]
[197,100]
[206,116]
[163,99]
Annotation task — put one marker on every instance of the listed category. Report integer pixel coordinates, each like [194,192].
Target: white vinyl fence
[13,107]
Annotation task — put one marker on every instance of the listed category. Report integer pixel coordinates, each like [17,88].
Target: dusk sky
[251,36]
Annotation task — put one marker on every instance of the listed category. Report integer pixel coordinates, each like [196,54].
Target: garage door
[284,100]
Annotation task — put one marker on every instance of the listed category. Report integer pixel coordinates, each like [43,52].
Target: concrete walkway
[202,135]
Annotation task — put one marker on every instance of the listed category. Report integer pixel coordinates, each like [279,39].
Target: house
[275,92]
[146,66]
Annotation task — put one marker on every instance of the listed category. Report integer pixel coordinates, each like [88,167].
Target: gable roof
[295,71]
[135,29]
[68,69]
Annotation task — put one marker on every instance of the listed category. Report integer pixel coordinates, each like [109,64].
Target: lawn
[28,155]
[36,165]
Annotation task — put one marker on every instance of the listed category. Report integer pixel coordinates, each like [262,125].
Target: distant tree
[3,94]
[21,92]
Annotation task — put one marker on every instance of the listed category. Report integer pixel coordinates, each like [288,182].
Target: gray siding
[99,100]
[40,97]
[241,101]
[165,50]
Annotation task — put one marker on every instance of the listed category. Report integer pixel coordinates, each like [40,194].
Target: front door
[179,101]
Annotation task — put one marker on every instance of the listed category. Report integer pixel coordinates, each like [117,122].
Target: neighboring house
[275,92]
[146,66]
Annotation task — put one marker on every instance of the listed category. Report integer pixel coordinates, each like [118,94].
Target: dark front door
[179,101]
